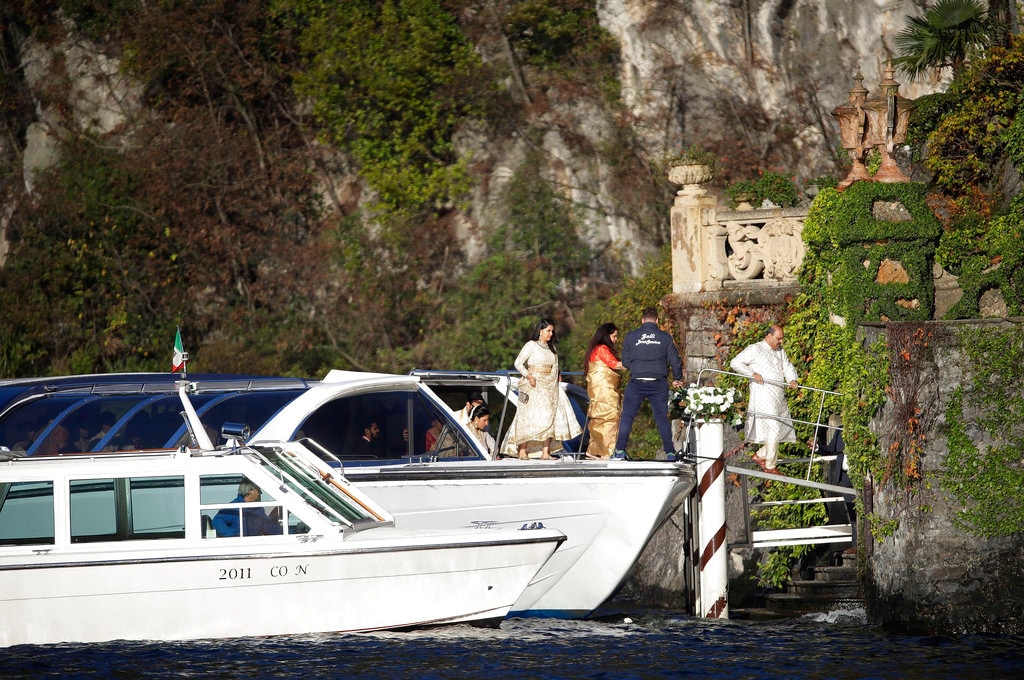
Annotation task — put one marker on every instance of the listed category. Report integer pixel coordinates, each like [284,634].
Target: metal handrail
[821,408]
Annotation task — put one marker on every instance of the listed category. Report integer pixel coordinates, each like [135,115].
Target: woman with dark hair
[479,419]
[601,368]
[543,411]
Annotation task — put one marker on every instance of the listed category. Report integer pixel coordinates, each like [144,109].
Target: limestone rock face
[707,70]
[717,72]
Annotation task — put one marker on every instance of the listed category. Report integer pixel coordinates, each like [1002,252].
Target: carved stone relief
[773,248]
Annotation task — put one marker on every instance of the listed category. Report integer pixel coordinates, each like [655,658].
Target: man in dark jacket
[648,352]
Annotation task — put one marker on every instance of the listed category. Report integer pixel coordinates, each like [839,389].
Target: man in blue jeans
[648,352]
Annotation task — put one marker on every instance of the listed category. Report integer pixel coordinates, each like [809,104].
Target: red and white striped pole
[714,570]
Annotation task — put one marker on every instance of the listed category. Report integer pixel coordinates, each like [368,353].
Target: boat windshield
[333,498]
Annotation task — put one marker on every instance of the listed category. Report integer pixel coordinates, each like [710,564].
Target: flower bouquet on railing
[705,403]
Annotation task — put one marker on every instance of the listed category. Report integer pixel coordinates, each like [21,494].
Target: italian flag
[178,362]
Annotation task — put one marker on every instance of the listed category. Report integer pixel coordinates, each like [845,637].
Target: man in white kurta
[768,420]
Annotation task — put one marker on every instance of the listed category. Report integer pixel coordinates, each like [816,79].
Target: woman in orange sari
[601,368]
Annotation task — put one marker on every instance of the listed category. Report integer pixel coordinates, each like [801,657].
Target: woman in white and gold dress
[601,368]
[544,417]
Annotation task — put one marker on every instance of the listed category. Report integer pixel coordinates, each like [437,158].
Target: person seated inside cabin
[55,442]
[472,399]
[479,422]
[254,521]
[25,434]
[366,446]
[82,442]
[107,421]
[436,427]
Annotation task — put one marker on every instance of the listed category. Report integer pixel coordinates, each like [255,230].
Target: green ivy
[988,483]
[390,82]
[994,261]
[850,244]
[971,124]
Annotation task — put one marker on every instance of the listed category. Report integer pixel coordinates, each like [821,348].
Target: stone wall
[930,576]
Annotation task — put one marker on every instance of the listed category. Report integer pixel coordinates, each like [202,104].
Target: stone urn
[690,174]
[744,200]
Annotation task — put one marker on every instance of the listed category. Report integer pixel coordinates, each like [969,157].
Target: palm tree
[946,35]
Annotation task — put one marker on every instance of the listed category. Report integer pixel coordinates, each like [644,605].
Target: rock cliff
[754,80]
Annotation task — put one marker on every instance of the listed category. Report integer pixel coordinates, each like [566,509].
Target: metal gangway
[831,493]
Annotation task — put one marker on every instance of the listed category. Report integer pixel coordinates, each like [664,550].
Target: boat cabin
[183,495]
[65,416]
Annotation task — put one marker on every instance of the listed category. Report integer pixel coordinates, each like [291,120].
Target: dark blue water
[644,645]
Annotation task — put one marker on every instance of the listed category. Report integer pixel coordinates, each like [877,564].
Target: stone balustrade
[715,250]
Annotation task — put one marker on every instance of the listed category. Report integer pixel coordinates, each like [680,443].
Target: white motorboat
[608,510]
[162,545]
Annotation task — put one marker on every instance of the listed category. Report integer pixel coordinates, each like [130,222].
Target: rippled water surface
[643,644]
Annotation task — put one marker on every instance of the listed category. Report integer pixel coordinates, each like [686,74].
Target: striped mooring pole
[714,570]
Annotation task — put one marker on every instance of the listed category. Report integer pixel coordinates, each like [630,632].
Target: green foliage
[390,82]
[926,115]
[961,242]
[695,154]
[541,224]
[564,37]
[98,18]
[988,483]
[987,257]
[482,324]
[967,144]
[1013,136]
[850,244]
[81,306]
[744,188]
[775,569]
[777,188]
[947,35]
[826,182]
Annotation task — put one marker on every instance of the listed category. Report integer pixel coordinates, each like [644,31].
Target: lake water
[636,644]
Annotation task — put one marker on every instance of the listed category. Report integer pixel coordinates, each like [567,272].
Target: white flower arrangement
[704,404]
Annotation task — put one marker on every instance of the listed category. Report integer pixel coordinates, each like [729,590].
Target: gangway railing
[818,425]
[831,533]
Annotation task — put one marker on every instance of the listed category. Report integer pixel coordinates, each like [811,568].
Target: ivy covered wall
[876,242]
[947,543]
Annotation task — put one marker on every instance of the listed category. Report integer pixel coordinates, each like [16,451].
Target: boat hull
[608,512]
[367,585]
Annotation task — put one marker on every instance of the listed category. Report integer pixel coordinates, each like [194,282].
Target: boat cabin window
[384,426]
[229,508]
[26,513]
[81,421]
[58,424]
[127,508]
[249,408]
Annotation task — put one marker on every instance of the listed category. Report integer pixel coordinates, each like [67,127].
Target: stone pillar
[692,210]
